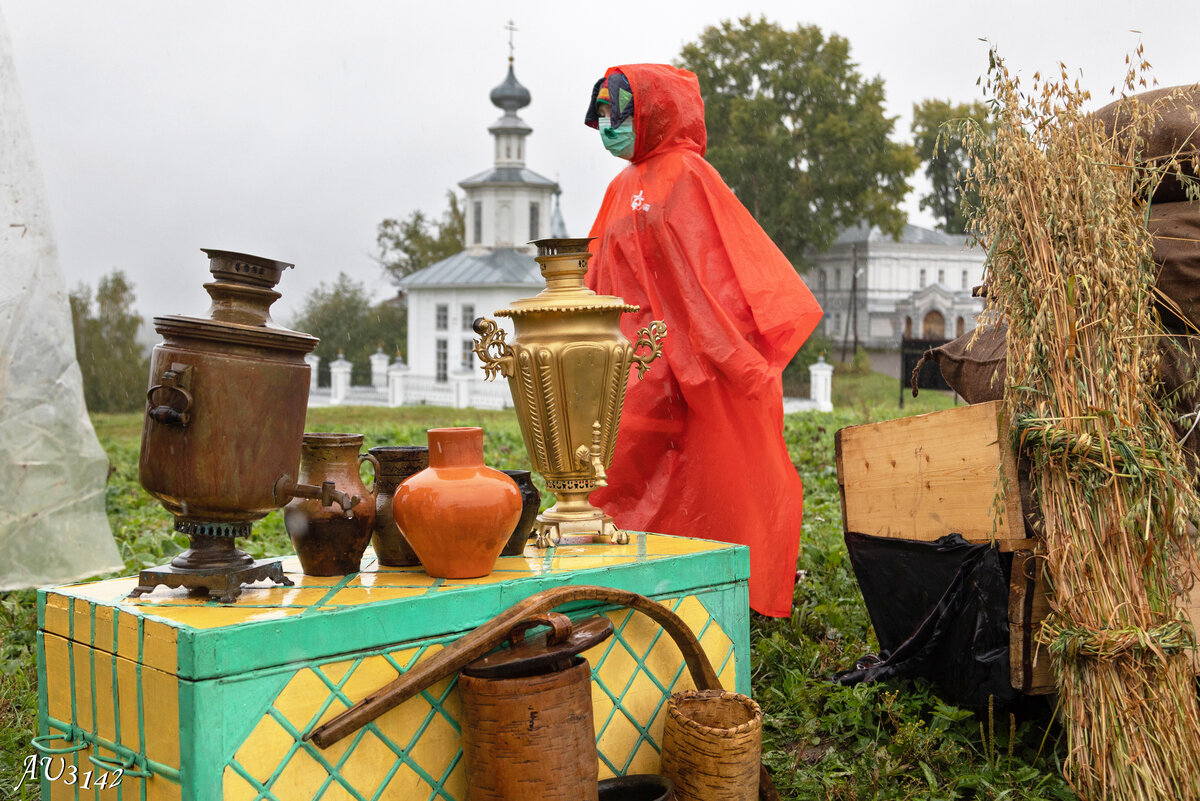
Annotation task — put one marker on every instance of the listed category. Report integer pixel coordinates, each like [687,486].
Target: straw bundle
[1063,218]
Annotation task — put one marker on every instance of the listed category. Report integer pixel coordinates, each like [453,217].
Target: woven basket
[712,746]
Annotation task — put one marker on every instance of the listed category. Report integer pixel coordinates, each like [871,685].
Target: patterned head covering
[614,87]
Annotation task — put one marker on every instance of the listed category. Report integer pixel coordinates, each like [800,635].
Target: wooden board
[1028,605]
[922,477]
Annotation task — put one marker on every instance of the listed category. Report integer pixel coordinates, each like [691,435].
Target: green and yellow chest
[190,699]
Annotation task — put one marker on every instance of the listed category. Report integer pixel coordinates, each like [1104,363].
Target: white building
[507,206]
[884,289]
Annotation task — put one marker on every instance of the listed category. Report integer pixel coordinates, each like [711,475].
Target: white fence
[393,385]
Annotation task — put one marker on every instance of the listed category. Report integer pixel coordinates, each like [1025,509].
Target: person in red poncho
[700,451]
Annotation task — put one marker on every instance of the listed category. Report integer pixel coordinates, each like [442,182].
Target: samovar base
[213,565]
[226,584]
[554,530]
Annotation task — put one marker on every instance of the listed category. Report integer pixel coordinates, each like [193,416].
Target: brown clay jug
[396,464]
[457,514]
[328,540]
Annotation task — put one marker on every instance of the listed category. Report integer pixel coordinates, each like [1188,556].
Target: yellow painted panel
[715,644]
[127,703]
[302,698]
[60,790]
[336,792]
[374,672]
[83,622]
[263,750]
[83,685]
[106,698]
[566,563]
[437,746]
[206,617]
[617,668]
[160,708]
[368,764]
[456,782]
[235,788]
[282,596]
[618,739]
[407,783]
[646,760]
[104,628]
[110,591]
[662,545]
[299,778]
[303,582]
[127,635]
[56,614]
[159,646]
[160,789]
[393,577]
[642,699]
[58,678]
[356,596]
[589,549]
[492,578]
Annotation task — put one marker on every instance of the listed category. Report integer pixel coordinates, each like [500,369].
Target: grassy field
[822,741]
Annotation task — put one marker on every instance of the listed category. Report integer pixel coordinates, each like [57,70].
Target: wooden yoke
[492,634]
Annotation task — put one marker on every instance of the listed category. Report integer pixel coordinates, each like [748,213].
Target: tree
[341,315]
[113,363]
[406,246]
[938,128]
[797,133]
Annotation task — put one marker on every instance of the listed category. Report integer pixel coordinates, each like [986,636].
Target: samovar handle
[651,336]
[491,338]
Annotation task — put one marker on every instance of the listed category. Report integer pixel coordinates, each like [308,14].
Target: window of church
[535,215]
[477,214]
[941,276]
[964,279]
[468,315]
[922,284]
[441,369]
[442,317]
[821,280]
[508,150]
[468,355]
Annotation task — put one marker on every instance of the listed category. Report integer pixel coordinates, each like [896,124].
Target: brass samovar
[567,367]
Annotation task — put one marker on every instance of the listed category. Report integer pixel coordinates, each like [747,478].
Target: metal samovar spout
[567,366]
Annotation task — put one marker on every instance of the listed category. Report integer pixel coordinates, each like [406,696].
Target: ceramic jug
[457,514]
[328,540]
[396,464]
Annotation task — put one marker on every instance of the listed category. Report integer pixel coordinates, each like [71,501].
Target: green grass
[894,740]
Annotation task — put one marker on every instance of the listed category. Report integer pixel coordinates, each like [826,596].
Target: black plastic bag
[940,612]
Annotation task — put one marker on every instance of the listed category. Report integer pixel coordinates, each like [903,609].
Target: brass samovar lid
[564,264]
[242,295]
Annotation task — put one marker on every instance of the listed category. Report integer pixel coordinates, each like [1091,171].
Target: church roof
[510,95]
[506,175]
[911,235]
[501,266]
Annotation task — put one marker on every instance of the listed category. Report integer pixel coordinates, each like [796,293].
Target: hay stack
[1071,272]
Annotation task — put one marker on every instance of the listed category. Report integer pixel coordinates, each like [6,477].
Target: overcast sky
[290,129]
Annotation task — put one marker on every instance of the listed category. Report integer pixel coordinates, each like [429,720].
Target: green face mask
[619,140]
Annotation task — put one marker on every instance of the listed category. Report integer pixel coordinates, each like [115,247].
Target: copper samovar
[224,420]
[567,367]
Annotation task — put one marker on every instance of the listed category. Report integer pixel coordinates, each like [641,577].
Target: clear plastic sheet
[53,527]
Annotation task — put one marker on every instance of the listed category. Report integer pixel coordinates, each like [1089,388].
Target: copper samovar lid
[242,295]
[565,290]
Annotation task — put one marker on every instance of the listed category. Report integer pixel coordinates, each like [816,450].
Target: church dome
[510,95]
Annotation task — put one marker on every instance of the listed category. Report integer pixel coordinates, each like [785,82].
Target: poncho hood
[668,113]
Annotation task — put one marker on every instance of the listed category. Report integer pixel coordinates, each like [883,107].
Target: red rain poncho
[700,451]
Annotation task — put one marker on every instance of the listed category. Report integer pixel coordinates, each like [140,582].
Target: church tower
[507,206]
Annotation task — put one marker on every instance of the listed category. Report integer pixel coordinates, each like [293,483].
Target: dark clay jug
[396,463]
[531,501]
[328,540]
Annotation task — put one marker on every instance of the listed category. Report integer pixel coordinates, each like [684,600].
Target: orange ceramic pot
[457,514]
